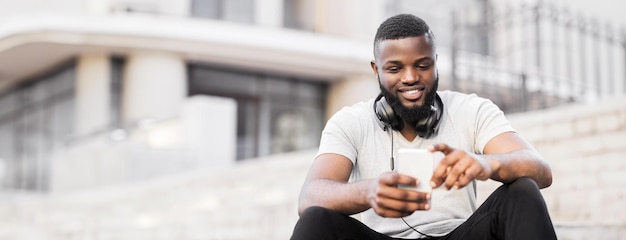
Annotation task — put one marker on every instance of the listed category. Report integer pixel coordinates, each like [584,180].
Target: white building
[102,91]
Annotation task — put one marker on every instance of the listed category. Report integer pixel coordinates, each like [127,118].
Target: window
[117,65]
[35,118]
[241,11]
[300,14]
[275,114]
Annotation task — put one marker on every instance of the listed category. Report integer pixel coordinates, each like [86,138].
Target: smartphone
[417,163]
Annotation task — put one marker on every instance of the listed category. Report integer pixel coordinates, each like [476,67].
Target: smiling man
[470,137]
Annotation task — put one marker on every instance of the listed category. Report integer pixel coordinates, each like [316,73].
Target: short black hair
[402,26]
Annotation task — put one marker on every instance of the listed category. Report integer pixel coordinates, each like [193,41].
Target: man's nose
[410,76]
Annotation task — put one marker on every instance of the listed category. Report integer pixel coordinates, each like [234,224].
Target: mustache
[411,115]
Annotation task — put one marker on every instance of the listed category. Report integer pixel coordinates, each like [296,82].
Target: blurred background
[198,119]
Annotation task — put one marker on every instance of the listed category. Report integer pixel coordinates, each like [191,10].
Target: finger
[438,176]
[441,147]
[403,194]
[389,213]
[408,180]
[389,179]
[442,170]
[393,179]
[403,205]
[469,175]
[458,170]
[378,200]
[380,206]
[387,189]
[395,208]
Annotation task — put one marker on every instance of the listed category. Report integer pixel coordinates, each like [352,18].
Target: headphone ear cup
[429,127]
[385,113]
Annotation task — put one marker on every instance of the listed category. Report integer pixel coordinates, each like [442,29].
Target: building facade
[108,91]
[105,91]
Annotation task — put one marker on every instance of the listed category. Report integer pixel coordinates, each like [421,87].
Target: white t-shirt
[468,123]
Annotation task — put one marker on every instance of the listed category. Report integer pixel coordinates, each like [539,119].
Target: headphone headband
[425,128]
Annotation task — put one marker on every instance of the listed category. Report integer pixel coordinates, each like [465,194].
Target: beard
[412,115]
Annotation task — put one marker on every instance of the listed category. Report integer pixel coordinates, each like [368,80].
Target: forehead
[415,47]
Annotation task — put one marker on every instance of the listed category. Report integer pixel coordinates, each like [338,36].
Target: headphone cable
[392,168]
[423,234]
[392,160]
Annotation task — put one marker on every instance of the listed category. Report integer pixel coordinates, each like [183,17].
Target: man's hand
[388,200]
[458,168]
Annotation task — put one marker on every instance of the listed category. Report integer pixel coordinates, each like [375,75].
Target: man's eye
[423,67]
[393,69]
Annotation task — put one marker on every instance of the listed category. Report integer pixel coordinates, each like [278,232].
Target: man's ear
[437,69]
[374,67]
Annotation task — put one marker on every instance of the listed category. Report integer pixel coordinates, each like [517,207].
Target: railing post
[540,75]
[569,67]
[486,28]
[524,92]
[556,58]
[455,48]
[624,49]
[583,57]
[610,44]
[595,32]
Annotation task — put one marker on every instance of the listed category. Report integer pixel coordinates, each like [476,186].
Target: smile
[412,95]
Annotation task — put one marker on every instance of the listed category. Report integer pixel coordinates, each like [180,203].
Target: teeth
[412,91]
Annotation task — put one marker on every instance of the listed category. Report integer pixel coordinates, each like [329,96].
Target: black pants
[514,211]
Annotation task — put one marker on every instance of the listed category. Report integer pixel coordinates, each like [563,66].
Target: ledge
[35,43]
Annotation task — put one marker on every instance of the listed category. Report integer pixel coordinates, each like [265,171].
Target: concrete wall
[151,149]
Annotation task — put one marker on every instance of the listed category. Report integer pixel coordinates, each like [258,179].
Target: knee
[314,212]
[524,184]
[317,221]
[524,188]
[319,214]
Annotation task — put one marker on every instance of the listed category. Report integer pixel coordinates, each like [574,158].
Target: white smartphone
[417,163]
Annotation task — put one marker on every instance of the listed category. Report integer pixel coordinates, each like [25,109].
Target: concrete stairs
[256,199]
[586,148]
[253,200]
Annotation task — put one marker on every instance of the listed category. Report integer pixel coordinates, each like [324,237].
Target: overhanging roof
[32,44]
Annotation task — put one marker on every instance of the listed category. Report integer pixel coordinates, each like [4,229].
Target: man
[352,173]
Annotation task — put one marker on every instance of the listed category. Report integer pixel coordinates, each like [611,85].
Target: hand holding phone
[417,163]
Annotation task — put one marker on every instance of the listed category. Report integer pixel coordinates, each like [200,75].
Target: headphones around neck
[425,128]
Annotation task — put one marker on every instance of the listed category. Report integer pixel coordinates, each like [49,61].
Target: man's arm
[327,186]
[516,158]
[506,158]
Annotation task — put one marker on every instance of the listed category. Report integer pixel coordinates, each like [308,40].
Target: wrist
[495,165]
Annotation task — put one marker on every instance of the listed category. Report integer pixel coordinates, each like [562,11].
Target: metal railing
[527,57]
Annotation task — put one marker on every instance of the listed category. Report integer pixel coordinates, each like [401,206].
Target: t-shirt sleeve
[490,122]
[339,134]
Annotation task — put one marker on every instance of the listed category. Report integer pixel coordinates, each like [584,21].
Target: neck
[408,132]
